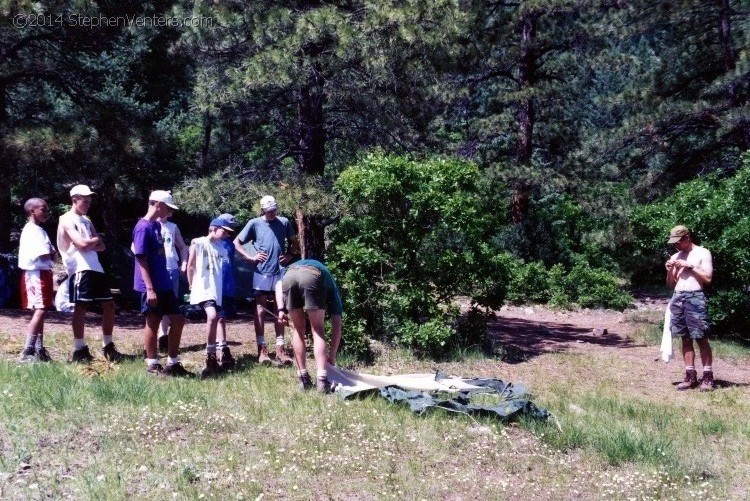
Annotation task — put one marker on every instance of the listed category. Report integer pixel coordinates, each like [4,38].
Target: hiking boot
[707,382]
[263,358]
[155,369]
[42,355]
[227,360]
[111,354]
[163,343]
[27,355]
[305,382]
[212,367]
[281,357]
[176,370]
[690,382]
[82,356]
[323,385]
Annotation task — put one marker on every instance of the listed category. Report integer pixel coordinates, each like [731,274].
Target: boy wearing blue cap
[228,291]
[204,274]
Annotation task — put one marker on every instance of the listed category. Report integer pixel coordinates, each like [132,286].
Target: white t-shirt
[34,248]
[78,260]
[168,231]
[207,281]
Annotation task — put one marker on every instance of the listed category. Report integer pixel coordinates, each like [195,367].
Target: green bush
[471,328]
[433,337]
[529,283]
[414,235]
[582,284]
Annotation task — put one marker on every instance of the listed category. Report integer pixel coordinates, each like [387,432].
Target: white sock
[106,340]
[302,372]
[151,361]
[210,348]
[261,340]
[707,368]
[222,345]
[79,344]
[689,367]
[172,361]
[39,341]
[280,341]
[322,374]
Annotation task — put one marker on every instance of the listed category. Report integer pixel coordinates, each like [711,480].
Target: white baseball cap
[163,196]
[81,189]
[268,203]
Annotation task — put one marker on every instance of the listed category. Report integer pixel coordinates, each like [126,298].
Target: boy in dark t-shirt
[151,279]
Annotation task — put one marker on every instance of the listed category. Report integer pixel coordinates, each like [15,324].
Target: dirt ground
[526,334]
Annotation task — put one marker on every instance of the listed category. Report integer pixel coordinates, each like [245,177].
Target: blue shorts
[689,310]
[210,303]
[166,304]
[228,308]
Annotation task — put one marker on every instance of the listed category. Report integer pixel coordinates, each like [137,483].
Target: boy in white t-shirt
[205,279]
[35,257]
[176,253]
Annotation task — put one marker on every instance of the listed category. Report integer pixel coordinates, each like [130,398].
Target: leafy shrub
[529,283]
[582,284]
[432,338]
[471,328]
[412,237]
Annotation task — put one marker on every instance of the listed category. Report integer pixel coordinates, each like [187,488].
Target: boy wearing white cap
[79,245]
[271,237]
[151,279]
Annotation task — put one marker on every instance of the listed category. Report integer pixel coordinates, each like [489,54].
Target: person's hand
[260,257]
[283,318]
[183,267]
[670,264]
[285,258]
[681,263]
[151,299]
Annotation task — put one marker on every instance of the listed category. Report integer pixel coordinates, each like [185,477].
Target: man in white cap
[79,245]
[151,279]
[271,238]
[688,271]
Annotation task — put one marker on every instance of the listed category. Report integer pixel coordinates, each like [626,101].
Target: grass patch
[118,433]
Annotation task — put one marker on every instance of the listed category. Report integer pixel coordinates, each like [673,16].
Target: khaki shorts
[304,288]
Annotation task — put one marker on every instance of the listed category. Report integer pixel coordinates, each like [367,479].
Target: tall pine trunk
[311,159]
[6,163]
[524,145]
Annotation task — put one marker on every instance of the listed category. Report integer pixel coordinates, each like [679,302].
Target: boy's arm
[191,266]
[335,338]
[140,260]
[78,240]
[182,249]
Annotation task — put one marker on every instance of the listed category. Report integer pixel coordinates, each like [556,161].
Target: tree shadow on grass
[518,340]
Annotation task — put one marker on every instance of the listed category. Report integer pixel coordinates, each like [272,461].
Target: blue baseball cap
[222,223]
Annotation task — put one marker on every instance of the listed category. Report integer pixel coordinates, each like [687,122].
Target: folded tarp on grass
[423,392]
